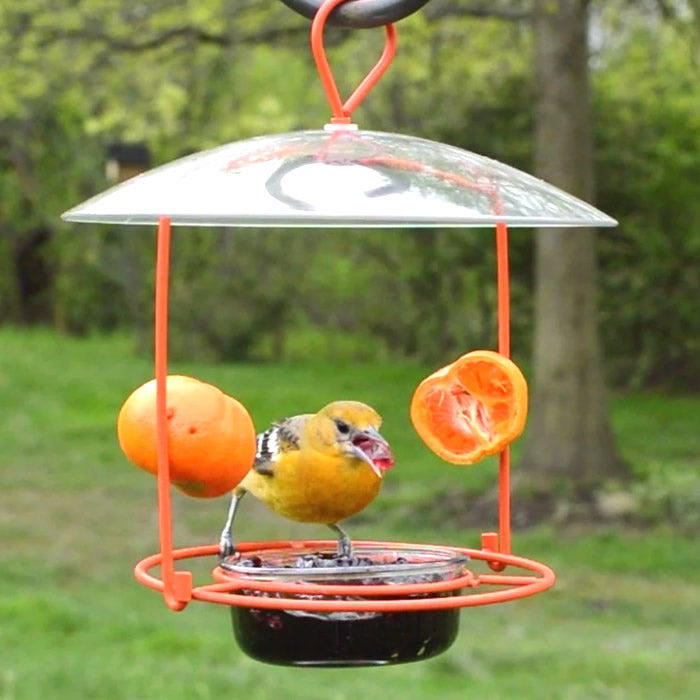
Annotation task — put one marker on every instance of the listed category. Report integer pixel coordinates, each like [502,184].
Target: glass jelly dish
[340,638]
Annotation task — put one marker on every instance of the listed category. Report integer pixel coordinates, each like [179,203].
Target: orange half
[471,408]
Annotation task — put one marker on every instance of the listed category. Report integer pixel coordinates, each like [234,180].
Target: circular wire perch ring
[360,14]
[265,594]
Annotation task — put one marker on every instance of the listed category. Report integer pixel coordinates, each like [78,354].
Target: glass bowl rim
[449,564]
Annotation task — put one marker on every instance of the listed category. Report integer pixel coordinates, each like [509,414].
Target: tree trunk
[10,301]
[570,447]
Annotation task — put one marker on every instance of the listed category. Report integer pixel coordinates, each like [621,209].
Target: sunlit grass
[75,516]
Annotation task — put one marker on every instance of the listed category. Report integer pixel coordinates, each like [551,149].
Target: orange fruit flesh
[471,408]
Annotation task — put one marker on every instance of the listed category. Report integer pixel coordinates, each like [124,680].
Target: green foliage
[231,292]
[184,77]
[649,134]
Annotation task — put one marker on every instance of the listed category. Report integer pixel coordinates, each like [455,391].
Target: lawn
[622,621]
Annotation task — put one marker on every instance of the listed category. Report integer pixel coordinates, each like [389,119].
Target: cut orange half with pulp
[472,408]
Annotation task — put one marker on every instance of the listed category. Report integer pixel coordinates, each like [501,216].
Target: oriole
[317,468]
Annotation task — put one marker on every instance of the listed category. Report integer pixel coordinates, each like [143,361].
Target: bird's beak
[371,447]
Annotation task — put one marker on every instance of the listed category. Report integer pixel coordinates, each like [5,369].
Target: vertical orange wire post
[504,348]
[177,585]
[491,541]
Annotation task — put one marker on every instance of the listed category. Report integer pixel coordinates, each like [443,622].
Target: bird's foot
[226,546]
[344,550]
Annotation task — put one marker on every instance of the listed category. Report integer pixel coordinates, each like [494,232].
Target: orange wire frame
[177,586]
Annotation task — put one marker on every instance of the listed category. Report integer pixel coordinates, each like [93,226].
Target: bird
[316,468]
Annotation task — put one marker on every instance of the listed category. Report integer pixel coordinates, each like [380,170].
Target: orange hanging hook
[342,111]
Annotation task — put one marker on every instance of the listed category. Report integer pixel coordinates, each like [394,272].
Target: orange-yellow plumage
[318,468]
[315,487]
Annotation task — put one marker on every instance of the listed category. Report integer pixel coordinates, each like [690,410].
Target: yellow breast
[315,488]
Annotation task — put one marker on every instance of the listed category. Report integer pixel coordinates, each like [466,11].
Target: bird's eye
[342,426]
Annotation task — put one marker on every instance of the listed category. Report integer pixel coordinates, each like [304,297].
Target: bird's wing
[283,436]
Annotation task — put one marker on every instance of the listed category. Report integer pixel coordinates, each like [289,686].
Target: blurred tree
[648,161]
[570,448]
[186,76]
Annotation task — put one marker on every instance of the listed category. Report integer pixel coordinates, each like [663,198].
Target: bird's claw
[344,549]
[226,547]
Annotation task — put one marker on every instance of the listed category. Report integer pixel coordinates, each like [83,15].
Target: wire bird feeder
[340,176]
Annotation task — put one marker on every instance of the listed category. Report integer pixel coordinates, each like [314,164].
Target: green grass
[621,622]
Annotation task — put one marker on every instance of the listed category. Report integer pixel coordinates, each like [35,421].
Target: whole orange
[211,437]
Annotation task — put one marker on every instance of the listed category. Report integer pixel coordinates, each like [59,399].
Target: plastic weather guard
[338,177]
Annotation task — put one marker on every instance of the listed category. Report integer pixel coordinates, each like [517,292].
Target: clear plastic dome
[337,178]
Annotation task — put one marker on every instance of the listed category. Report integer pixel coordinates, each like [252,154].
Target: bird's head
[353,427]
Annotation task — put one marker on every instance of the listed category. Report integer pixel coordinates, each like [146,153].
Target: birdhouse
[125,160]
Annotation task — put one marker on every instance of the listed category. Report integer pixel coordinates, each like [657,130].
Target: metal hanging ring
[360,14]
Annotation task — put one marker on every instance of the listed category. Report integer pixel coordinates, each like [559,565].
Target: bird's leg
[226,545]
[344,543]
